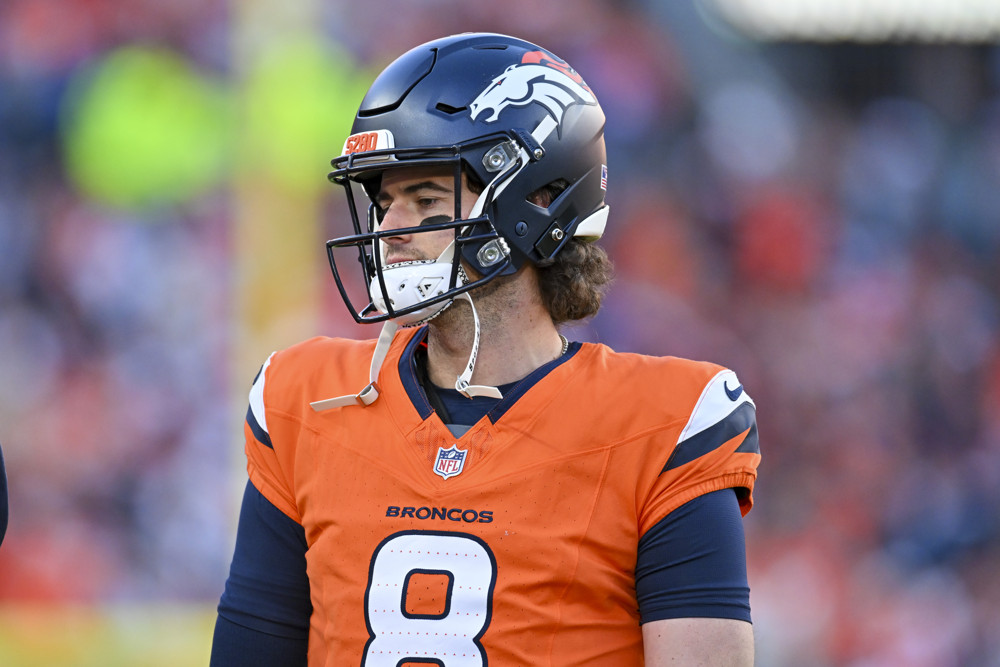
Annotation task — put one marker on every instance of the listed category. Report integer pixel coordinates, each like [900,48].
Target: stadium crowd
[825,219]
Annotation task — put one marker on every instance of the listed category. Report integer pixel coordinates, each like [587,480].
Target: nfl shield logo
[450,461]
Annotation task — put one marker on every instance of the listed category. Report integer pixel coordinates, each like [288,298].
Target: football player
[3,498]
[471,488]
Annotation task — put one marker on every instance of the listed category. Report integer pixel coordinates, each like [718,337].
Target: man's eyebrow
[426,185]
[422,185]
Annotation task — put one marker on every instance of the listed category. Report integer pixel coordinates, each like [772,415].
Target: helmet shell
[428,98]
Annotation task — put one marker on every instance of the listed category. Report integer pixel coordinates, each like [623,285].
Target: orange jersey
[514,544]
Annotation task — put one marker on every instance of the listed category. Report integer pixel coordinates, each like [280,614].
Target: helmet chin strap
[462,383]
[370,393]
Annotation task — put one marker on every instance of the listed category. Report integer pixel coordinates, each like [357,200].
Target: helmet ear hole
[545,195]
[472,181]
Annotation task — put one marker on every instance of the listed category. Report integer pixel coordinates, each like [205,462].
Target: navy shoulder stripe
[262,436]
[750,444]
[708,440]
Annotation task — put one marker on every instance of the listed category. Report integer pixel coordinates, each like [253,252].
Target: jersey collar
[408,376]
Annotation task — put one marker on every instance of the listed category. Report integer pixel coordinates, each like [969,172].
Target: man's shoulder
[322,347]
[298,371]
[647,390]
[676,369]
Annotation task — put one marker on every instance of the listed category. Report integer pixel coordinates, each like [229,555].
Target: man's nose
[395,218]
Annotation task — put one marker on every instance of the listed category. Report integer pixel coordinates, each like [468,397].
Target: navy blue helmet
[515,119]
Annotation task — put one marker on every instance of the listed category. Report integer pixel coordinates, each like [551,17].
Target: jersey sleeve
[268,589]
[268,472]
[692,563]
[717,448]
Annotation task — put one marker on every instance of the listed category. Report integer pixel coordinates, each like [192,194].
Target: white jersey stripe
[721,396]
[257,396]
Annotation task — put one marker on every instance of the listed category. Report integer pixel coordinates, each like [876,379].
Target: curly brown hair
[574,282]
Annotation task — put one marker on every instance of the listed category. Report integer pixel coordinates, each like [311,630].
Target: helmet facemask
[413,292]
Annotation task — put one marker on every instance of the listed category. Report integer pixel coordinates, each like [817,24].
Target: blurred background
[805,191]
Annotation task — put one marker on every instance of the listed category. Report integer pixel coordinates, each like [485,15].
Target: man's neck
[516,335]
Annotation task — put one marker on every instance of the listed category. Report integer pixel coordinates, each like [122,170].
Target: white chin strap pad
[410,283]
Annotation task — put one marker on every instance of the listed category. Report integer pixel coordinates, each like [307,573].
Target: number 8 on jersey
[429,599]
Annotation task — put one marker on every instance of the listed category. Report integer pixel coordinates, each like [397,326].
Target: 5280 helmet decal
[536,79]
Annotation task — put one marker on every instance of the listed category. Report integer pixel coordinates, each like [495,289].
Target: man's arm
[691,583]
[701,642]
[264,611]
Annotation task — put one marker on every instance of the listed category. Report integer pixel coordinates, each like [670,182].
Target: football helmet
[514,119]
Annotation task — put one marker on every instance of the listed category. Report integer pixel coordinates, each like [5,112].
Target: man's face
[411,197]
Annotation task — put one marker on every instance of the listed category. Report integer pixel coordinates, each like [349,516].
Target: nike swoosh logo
[733,394]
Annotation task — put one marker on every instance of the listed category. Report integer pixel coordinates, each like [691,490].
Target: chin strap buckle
[366,396]
[371,392]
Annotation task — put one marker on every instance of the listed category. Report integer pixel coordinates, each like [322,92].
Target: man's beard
[489,298]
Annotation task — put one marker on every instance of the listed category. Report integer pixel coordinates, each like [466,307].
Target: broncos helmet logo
[534,80]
